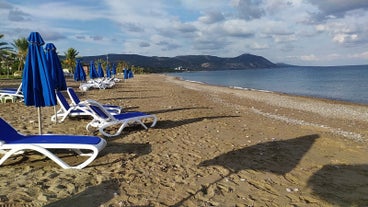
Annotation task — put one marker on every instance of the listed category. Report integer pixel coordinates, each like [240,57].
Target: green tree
[137,70]
[5,55]
[21,47]
[103,62]
[5,49]
[70,56]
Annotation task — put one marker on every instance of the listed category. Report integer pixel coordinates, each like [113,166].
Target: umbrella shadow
[92,197]
[341,185]
[168,124]
[279,157]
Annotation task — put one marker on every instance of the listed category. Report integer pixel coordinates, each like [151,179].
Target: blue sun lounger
[71,110]
[76,101]
[14,143]
[103,120]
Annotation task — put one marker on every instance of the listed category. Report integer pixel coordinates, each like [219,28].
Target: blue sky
[302,32]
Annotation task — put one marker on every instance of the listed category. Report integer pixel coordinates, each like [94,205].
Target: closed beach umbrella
[113,71]
[108,72]
[125,73]
[100,72]
[55,69]
[79,74]
[37,86]
[92,70]
[57,74]
[130,73]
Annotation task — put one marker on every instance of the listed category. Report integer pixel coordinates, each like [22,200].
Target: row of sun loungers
[98,83]
[104,118]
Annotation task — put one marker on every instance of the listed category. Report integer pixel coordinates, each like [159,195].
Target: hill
[187,62]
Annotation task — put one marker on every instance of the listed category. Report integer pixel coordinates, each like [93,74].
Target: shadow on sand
[279,157]
[92,197]
[341,185]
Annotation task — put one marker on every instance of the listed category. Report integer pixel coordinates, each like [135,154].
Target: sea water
[345,83]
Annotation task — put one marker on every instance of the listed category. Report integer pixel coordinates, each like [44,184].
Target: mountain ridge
[187,62]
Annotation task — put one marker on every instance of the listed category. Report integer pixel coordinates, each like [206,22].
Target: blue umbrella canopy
[37,86]
[108,72]
[113,71]
[79,74]
[126,73]
[57,74]
[100,72]
[92,70]
[130,73]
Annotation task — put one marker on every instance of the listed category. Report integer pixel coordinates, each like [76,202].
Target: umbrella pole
[56,120]
[39,120]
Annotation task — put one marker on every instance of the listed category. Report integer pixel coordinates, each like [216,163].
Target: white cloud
[277,29]
[344,38]
[212,17]
[338,8]
[249,9]
[259,46]
[363,55]
[64,10]
[310,57]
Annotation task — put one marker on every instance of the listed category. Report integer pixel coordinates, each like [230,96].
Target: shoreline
[364,102]
[321,106]
[212,146]
[344,102]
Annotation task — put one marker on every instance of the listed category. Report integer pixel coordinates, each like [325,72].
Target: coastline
[311,82]
[212,145]
[326,108]
[336,101]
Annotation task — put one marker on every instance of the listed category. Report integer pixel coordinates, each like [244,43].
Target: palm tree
[70,56]
[5,50]
[5,53]
[21,46]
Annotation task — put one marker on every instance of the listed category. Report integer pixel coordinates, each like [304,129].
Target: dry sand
[212,146]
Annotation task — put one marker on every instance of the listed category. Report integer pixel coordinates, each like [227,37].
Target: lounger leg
[50,155]
[139,121]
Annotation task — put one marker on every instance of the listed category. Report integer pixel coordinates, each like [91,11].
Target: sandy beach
[212,146]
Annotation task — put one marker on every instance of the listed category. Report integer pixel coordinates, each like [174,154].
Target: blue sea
[344,83]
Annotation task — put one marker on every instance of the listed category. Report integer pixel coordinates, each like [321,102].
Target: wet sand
[212,146]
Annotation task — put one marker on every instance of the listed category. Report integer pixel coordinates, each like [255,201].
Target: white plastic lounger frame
[102,119]
[17,93]
[67,110]
[71,110]
[76,101]
[97,83]
[14,143]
